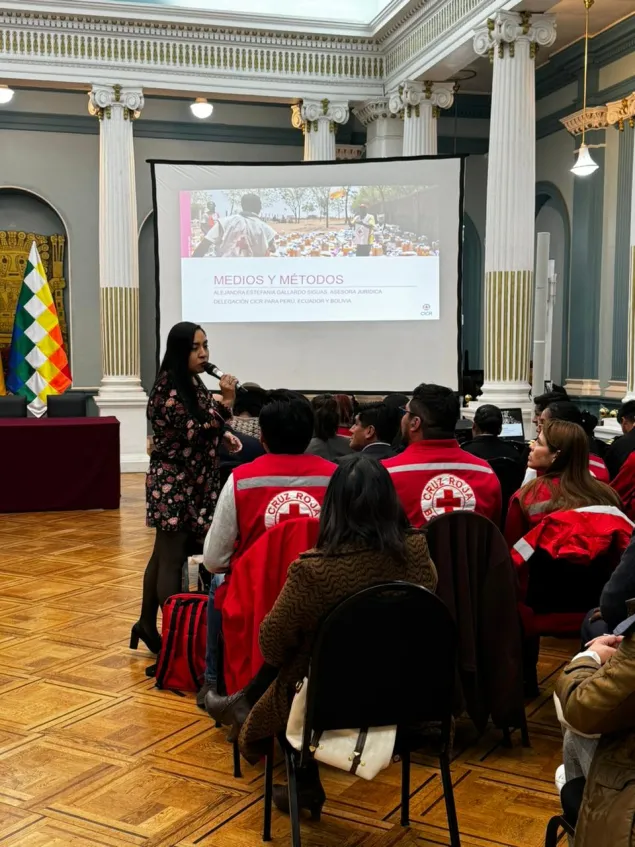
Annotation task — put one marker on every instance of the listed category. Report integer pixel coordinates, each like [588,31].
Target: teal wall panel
[586,268]
[622,253]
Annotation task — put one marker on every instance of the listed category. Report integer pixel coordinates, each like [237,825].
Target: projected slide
[345,253]
[316,276]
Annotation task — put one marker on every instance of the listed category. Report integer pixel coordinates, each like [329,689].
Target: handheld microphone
[212,370]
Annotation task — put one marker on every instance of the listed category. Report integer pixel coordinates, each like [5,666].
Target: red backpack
[181,662]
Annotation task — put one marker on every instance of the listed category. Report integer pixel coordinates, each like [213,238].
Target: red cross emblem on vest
[446,493]
[291,504]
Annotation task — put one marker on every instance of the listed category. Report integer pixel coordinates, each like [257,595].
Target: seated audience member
[560,457]
[615,595]
[345,412]
[282,484]
[374,430]
[486,442]
[364,539]
[326,442]
[397,401]
[622,447]
[247,407]
[596,445]
[565,410]
[543,400]
[433,476]
[595,698]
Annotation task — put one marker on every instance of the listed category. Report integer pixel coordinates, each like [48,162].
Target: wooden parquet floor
[92,755]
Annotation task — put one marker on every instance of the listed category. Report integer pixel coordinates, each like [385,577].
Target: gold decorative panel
[14,253]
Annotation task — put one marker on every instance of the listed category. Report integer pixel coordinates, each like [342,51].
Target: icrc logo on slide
[291,504]
[446,493]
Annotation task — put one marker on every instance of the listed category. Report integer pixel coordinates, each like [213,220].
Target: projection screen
[343,276]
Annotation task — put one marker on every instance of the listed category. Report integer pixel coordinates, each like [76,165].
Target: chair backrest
[13,406]
[510,473]
[385,655]
[478,584]
[67,405]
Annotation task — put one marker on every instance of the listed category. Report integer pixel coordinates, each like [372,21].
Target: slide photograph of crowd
[312,221]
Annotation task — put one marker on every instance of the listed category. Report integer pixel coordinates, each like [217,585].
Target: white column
[318,119]
[419,104]
[120,393]
[384,130]
[511,40]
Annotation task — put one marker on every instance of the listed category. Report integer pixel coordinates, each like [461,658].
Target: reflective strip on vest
[606,510]
[524,549]
[538,508]
[440,466]
[283,482]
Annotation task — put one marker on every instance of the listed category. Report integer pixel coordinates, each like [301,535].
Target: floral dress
[183,480]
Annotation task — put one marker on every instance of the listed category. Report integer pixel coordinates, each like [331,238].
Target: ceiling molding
[565,66]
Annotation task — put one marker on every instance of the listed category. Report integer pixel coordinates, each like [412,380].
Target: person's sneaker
[200,697]
[560,778]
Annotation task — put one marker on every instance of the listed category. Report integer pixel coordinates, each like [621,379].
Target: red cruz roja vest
[275,488]
[433,478]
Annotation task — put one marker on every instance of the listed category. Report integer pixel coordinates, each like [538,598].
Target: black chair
[469,552]
[13,406]
[571,800]
[510,473]
[71,405]
[364,674]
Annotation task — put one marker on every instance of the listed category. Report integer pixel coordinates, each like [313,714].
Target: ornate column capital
[373,110]
[593,117]
[411,94]
[506,29]
[309,114]
[619,111]
[104,99]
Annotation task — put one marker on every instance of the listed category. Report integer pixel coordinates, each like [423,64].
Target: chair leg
[266,829]
[448,793]
[507,737]
[553,828]
[405,788]
[524,729]
[531,652]
[294,805]
[237,771]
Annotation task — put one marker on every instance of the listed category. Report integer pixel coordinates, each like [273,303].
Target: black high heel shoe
[311,797]
[152,642]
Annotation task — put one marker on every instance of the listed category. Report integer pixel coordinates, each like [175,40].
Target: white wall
[64,169]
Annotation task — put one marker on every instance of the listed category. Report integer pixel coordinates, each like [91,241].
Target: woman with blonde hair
[560,456]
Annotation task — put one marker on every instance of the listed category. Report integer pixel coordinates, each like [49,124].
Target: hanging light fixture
[6,94]
[201,108]
[585,165]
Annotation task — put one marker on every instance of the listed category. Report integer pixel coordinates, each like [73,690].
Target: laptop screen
[513,424]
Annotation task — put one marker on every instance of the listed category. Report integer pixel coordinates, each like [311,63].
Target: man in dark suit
[622,447]
[374,430]
[486,442]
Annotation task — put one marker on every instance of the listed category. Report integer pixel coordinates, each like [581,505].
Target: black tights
[163,574]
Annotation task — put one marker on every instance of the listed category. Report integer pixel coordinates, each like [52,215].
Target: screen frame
[461,157]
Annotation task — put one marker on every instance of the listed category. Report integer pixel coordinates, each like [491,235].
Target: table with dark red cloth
[59,464]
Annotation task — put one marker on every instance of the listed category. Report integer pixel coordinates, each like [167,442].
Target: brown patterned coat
[315,583]
[602,701]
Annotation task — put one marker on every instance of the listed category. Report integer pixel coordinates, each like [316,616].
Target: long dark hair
[576,486]
[175,364]
[361,508]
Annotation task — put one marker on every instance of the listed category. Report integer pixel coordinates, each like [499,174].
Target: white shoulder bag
[360,752]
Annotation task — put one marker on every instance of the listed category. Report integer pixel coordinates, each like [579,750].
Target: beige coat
[602,701]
